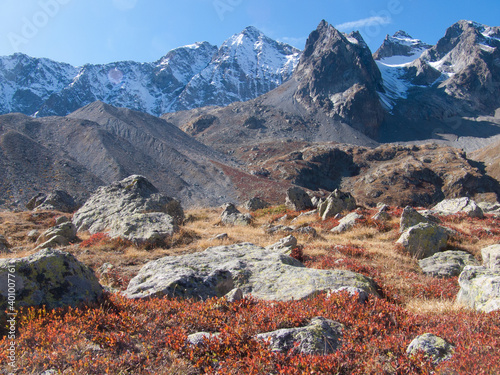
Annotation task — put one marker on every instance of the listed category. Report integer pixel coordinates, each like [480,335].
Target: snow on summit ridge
[247,65]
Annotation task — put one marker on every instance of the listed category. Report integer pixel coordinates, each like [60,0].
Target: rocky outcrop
[424,240]
[265,274]
[50,277]
[232,216]
[150,228]
[459,206]
[284,246]
[479,288]
[347,222]
[255,204]
[447,263]
[298,200]
[336,203]
[491,257]
[411,217]
[320,337]
[127,207]
[60,235]
[59,200]
[433,346]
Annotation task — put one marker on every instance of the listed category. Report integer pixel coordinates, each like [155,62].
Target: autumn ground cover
[120,336]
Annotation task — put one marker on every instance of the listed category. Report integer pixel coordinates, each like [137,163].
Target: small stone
[234,295]
[433,346]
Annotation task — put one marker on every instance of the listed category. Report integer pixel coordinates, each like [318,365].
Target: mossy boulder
[479,288]
[320,337]
[424,240]
[50,277]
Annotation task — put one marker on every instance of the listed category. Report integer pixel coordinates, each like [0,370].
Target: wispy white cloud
[371,21]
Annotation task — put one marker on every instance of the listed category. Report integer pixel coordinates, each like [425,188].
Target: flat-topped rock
[266,274]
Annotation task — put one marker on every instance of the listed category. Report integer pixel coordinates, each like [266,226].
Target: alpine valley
[209,124]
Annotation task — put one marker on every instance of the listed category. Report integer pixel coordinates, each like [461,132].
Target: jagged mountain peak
[400,48]
[338,76]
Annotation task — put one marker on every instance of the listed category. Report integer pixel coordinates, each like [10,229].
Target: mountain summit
[247,65]
[400,45]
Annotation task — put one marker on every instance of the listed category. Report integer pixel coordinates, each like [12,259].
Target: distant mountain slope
[99,144]
[247,65]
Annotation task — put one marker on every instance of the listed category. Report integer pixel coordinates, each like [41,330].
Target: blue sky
[102,31]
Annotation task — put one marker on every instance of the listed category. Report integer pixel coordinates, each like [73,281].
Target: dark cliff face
[338,75]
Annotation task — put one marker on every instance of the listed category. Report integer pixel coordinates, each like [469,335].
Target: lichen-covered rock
[459,205]
[411,217]
[145,228]
[66,230]
[491,257]
[232,216]
[234,295]
[60,235]
[255,204]
[336,203]
[447,263]
[479,288]
[297,199]
[49,277]
[133,195]
[284,246]
[199,338]
[265,274]
[424,240]
[347,222]
[433,346]
[490,208]
[320,337]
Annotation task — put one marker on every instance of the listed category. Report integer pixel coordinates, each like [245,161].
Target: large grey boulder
[424,240]
[297,199]
[49,277]
[232,216]
[320,337]
[121,202]
[255,204]
[433,346]
[459,205]
[447,263]
[266,274]
[479,288]
[336,203]
[58,200]
[491,257]
[146,228]
[347,222]
[411,217]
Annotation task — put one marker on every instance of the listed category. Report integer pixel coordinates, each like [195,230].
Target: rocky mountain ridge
[247,65]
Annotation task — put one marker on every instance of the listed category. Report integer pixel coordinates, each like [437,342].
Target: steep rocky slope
[99,144]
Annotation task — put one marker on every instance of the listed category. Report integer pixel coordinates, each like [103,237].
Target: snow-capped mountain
[400,48]
[247,65]
[26,82]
